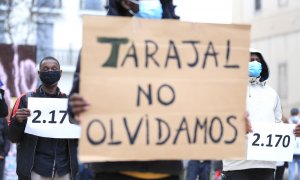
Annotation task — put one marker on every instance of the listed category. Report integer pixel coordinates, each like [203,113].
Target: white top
[263,105]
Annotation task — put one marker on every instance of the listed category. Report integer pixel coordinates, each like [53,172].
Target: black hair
[294,111]
[265,70]
[49,58]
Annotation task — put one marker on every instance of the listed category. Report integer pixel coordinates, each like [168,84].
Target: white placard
[271,142]
[49,118]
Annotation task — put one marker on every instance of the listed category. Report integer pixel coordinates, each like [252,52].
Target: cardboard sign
[162,89]
[49,118]
[275,143]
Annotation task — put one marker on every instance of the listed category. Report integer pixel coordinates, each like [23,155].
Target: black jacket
[26,143]
[4,142]
[3,106]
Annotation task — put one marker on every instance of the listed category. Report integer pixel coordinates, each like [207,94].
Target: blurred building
[275,32]
[54,26]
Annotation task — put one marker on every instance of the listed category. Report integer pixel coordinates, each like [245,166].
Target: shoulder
[271,90]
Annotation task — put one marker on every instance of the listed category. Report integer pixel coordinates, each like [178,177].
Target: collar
[57,93]
[256,81]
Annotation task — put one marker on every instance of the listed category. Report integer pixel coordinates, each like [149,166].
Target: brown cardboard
[209,97]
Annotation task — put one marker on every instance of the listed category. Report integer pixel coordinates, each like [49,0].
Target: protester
[3,105]
[281,165]
[263,105]
[198,170]
[294,119]
[165,170]
[40,158]
[4,142]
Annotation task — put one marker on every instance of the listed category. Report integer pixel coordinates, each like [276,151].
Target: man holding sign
[40,157]
[130,170]
[263,105]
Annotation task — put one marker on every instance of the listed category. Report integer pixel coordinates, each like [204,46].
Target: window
[44,40]
[282,81]
[282,3]
[2,32]
[257,5]
[48,3]
[90,5]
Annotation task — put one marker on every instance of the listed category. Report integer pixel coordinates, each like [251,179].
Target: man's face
[49,72]
[49,65]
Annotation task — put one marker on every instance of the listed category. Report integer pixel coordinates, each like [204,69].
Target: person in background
[294,119]
[159,170]
[40,158]
[198,170]
[3,105]
[4,142]
[281,165]
[263,105]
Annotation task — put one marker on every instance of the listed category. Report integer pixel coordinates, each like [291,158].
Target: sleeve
[114,8]
[75,86]
[16,129]
[278,110]
[3,105]
[76,77]
[6,140]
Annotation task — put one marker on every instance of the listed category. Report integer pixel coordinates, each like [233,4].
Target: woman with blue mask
[150,9]
[263,105]
[157,9]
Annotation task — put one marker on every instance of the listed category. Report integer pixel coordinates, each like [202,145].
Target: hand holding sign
[297,130]
[22,114]
[78,104]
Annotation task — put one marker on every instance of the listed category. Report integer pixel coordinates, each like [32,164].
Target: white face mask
[150,9]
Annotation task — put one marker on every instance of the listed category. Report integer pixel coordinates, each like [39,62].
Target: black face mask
[50,77]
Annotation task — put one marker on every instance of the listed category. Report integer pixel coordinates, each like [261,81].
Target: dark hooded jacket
[3,106]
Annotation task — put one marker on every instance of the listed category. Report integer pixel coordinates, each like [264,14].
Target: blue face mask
[150,9]
[295,119]
[255,69]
